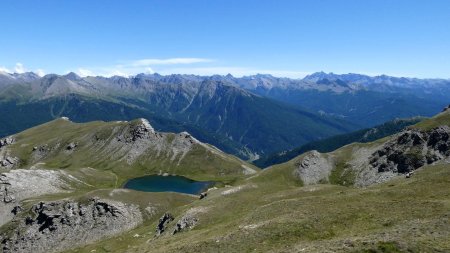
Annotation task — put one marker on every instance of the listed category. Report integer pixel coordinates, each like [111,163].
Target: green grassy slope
[271,215]
[438,120]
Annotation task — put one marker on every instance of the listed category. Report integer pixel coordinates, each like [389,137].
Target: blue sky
[241,37]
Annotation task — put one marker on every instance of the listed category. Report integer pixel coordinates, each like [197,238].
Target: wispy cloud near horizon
[134,67]
[170,61]
[196,66]
[19,68]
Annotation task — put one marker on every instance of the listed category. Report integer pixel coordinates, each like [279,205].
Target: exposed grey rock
[9,162]
[6,141]
[71,146]
[412,149]
[186,222]
[163,223]
[17,185]
[189,220]
[138,138]
[313,168]
[60,225]
[142,129]
[17,209]
[40,152]
[203,195]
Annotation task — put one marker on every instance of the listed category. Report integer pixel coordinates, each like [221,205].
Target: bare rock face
[60,225]
[313,168]
[71,146]
[163,223]
[140,130]
[186,222]
[9,162]
[412,149]
[17,185]
[6,141]
[139,138]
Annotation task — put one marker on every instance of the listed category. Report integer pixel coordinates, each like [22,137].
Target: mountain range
[248,116]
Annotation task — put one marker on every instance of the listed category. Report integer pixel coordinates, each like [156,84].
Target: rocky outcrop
[60,225]
[163,223]
[71,146]
[6,141]
[5,193]
[412,149]
[9,162]
[139,130]
[313,168]
[17,185]
[203,195]
[42,149]
[186,222]
[139,138]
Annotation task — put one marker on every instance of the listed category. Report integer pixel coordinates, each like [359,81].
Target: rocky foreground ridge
[58,225]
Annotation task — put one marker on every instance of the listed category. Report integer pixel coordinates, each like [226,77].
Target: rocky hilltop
[119,146]
[376,162]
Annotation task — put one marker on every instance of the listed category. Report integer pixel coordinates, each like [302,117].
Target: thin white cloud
[170,61]
[4,70]
[173,66]
[40,72]
[84,72]
[137,66]
[19,68]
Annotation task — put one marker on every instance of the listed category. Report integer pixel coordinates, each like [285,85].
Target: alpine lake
[159,183]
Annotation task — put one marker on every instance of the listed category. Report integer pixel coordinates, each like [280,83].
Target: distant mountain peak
[72,76]
[314,77]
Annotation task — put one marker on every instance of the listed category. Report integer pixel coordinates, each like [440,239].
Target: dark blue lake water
[156,183]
